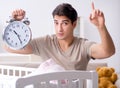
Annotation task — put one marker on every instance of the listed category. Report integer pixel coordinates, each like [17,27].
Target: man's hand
[97,17]
[18,14]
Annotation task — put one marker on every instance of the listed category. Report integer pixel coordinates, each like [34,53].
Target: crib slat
[59,85]
[37,85]
[81,83]
[9,74]
[70,83]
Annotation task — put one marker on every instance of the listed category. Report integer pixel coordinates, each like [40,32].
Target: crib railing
[68,79]
[9,75]
[15,71]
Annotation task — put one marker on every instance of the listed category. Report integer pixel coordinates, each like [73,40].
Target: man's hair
[67,10]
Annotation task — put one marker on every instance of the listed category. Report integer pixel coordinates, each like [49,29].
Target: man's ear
[74,23]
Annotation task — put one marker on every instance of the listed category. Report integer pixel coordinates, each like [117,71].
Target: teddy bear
[106,77]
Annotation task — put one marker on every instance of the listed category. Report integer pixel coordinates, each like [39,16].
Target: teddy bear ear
[98,68]
[113,70]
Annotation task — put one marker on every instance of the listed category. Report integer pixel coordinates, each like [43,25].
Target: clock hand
[15,32]
[19,39]
[18,36]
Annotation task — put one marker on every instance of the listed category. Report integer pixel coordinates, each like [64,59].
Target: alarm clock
[17,34]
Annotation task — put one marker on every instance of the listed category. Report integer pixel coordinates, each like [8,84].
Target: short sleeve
[86,49]
[38,45]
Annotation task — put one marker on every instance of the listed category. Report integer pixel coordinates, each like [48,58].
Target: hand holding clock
[18,14]
[20,29]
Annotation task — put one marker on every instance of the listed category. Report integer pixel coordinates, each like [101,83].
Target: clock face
[17,35]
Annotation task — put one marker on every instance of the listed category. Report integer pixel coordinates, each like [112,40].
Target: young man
[65,49]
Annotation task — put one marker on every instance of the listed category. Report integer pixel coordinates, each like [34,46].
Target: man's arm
[106,48]
[25,50]
[19,15]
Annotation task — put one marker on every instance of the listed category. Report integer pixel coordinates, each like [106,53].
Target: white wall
[39,13]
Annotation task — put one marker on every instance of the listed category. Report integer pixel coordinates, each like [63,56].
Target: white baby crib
[9,75]
[17,77]
[64,79]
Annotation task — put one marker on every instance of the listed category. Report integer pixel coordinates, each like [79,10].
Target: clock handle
[11,19]
[25,20]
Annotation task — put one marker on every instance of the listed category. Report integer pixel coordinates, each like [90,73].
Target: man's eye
[65,23]
[55,23]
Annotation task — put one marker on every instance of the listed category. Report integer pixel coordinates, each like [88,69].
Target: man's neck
[65,44]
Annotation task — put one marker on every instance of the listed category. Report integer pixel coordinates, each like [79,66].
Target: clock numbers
[22,27]
[24,39]
[10,29]
[27,35]
[8,38]
[17,35]
[18,26]
[6,33]
[16,44]
[11,41]
[13,26]
[26,31]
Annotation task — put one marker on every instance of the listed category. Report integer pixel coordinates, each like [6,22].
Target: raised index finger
[93,7]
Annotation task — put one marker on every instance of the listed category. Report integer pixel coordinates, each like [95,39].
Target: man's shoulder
[46,37]
[51,37]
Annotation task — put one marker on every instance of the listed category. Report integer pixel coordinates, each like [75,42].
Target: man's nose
[60,27]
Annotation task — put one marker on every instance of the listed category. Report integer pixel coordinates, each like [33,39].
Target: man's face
[63,27]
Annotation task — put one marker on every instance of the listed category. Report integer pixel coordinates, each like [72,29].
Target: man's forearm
[106,40]
[26,50]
